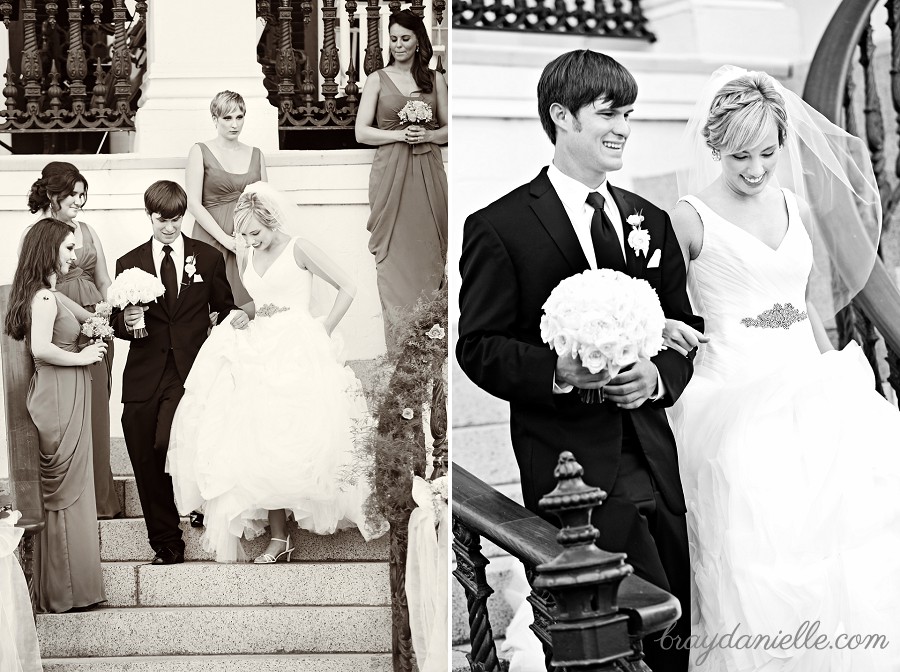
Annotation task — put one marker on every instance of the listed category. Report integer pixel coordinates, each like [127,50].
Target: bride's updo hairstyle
[740,112]
[57,181]
[255,205]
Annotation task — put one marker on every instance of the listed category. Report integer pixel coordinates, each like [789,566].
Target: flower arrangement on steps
[412,392]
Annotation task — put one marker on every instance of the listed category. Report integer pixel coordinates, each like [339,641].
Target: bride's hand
[240,320]
[682,338]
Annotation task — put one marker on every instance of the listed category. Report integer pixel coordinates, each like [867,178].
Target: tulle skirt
[271,419]
[792,480]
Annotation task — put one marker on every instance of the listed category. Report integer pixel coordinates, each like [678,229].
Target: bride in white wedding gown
[789,458]
[270,417]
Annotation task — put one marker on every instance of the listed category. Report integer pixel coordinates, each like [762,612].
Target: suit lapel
[184,281]
[145,259]
[633,264]
[552,215]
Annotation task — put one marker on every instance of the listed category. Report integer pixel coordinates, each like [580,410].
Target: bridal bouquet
[606,318]
[97,326]
[415,112]
[133,287]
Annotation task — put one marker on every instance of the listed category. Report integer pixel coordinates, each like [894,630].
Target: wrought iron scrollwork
[581,17]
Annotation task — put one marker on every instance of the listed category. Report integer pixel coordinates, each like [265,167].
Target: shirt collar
[177,246]
[573,193]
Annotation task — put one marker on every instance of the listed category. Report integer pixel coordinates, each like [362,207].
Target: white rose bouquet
[134,287]
[605,318]
[415,112]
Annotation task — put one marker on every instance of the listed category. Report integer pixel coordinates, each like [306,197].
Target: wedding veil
[826,167]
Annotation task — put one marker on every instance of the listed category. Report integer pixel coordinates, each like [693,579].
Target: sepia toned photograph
[225,336]
[675,314]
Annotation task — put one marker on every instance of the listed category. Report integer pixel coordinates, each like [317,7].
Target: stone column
[195,49]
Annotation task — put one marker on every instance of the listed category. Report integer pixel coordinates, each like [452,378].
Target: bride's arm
[818,327]
[688,230]
[318,263]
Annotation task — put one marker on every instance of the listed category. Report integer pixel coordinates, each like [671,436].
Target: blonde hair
[224,101]
[740,112]
[250,205]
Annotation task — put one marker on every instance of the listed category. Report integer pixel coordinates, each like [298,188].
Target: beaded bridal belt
[778,316]
[269,309]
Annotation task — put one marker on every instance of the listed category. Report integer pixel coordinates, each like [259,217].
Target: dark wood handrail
[825,90]
[22,440]
[532,540]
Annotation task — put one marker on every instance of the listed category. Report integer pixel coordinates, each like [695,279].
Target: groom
[193,274]
[515,251]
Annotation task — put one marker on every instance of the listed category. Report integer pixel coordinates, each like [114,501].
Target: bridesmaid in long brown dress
[407,185]
[216,174]
[61,193]
[59,402]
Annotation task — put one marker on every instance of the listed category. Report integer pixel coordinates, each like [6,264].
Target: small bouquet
[606,318]
[134,287]
[415,112]
[97,326]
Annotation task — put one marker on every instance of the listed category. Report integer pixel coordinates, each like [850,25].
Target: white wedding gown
[791,469]
[271,419]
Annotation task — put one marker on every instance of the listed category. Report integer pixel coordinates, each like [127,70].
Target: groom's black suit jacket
[515,251]
[182,332]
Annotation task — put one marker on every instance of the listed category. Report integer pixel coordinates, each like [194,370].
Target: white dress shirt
[573,195]
[177,246]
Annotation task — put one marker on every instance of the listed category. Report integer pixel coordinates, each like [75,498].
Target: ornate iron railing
[23,449]
[77,72]
[314,72]
[573,582]
[843,84]
[606,18]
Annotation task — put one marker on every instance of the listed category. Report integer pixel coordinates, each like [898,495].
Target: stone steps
[363,662]
[133,584]
[190,631]
[125,539]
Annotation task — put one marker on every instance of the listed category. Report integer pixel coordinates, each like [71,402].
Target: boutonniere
[190,270]
[638,239]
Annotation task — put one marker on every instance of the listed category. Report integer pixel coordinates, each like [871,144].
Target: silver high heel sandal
[269,559]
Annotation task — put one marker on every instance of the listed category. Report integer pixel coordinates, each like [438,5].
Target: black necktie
[169,278]
[607,248]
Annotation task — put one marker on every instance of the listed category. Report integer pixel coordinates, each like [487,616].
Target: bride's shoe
[269,559]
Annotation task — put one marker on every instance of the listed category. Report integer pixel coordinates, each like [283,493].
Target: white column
[196,49]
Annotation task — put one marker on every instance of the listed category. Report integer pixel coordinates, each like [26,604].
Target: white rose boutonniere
[190,266]
[638,239]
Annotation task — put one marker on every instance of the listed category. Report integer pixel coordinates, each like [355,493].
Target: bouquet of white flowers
[133,287]
[415,112]
[605,318]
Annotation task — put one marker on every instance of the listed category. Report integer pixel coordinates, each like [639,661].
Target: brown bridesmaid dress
[220,194]
[68,549]
[80,286]
[408,197]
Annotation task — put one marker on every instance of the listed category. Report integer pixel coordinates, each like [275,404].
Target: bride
[270,417]
[788,457]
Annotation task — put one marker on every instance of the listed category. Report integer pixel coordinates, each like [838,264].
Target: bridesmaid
[216,174]
[61,193]
[407,185]
[59,402]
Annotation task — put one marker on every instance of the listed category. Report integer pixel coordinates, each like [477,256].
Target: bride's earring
[716,155]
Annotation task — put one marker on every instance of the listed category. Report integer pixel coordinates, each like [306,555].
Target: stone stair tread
[126,539]
[173,631]
[137,584]
[332,662]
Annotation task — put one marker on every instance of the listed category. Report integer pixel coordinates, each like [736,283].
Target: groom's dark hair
[578,78]
[166,198]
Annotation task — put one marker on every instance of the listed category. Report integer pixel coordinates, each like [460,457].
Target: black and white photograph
[675,325]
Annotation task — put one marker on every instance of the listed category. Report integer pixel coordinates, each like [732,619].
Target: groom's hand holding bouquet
[605,326]
[130,291]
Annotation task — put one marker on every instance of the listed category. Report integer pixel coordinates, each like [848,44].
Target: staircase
[326,611]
